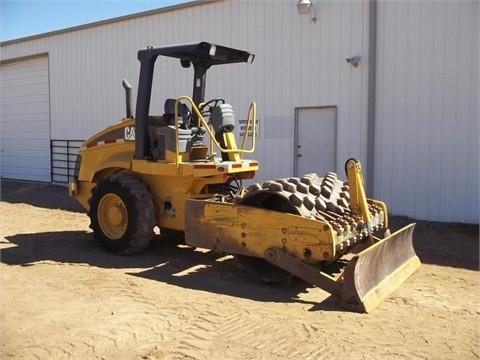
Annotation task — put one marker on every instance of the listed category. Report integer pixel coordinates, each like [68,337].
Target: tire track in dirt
[250,330]
[198,332]
[132,318]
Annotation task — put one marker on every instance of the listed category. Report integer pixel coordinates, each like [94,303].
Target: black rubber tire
[140,209]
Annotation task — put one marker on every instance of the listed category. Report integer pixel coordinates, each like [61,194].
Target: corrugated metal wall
[426,145]
[427,135]
[299,63]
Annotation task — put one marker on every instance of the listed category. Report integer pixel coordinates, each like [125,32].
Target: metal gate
[63,157]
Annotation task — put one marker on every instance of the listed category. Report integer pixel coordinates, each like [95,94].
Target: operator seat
[190,139]
[184,114]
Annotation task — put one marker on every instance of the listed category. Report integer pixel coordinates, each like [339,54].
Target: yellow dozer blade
[377,271]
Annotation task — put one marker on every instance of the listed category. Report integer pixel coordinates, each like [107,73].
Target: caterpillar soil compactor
[162,171]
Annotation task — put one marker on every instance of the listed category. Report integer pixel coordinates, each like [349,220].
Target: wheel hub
[112,216]
[115,215]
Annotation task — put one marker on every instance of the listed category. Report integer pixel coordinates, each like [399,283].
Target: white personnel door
[315,140]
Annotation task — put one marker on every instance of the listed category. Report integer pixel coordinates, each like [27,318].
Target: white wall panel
[427,154]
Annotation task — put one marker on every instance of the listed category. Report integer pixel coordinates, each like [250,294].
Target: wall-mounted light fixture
[306,7]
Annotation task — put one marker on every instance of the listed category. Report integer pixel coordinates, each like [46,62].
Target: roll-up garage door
[25,120]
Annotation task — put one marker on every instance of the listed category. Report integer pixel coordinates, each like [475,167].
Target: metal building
[406,103]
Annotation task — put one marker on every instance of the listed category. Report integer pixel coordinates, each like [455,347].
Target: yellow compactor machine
[163,170]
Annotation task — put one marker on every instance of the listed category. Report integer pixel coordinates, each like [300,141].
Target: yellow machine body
[158,171]
[302,245]
[172,181]
[251,231]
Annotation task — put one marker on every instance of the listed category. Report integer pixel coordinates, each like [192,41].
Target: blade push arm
[358,199]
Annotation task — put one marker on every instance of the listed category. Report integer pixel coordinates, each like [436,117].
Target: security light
[306,7]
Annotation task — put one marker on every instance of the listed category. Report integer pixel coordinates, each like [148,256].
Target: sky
[20,18]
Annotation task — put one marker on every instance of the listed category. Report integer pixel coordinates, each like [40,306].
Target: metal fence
[63,157]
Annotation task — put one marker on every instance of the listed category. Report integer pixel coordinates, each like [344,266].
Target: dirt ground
[62,297]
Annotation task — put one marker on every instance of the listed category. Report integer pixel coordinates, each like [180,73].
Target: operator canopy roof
[195,53]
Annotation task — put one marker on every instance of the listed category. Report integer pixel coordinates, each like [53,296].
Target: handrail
[252,109]
[252,112]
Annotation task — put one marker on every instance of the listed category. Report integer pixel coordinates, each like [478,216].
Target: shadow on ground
[38,194]
[167,260]
[445,244]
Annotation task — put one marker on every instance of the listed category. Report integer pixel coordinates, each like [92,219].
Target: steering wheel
[207,107]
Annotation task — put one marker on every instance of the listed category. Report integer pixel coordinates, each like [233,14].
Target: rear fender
[91,173]
[112,164]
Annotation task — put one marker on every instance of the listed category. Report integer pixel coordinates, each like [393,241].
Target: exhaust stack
[128,97]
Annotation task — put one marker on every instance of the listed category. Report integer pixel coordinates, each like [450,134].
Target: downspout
[372,69]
